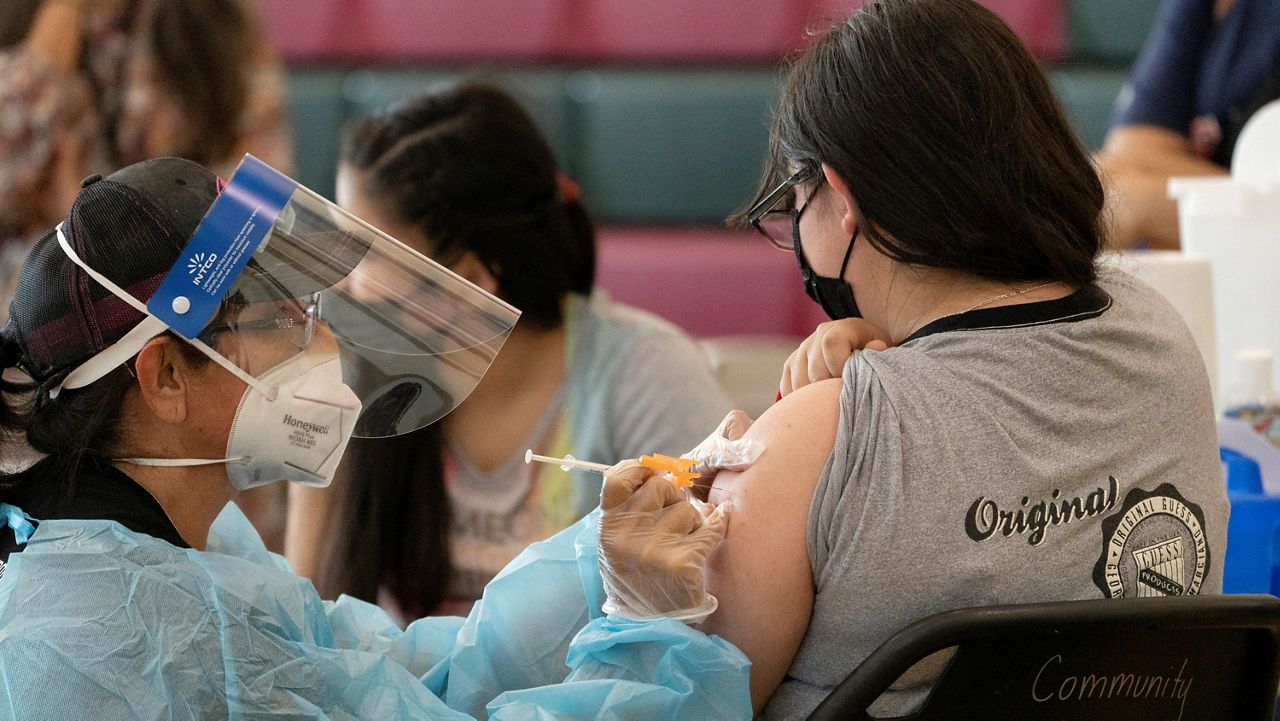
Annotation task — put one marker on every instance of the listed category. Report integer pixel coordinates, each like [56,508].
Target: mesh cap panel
[130,227]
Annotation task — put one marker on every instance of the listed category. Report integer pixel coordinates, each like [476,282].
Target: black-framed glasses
[777,224]
[301,329]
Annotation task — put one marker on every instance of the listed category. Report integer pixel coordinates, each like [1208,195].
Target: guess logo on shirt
[1155,544]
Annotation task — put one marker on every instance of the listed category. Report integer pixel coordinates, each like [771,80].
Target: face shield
[276,280]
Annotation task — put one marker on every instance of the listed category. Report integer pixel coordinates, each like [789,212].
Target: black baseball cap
[131,227]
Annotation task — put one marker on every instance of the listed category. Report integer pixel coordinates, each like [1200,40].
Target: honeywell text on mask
[303,425]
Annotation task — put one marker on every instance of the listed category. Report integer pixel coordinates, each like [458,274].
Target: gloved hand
[823,354]
[654,544]
[725,449]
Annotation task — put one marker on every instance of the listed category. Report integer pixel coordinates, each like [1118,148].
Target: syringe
[566,463]
[677,470]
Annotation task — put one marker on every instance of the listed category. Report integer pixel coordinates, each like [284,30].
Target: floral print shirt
[57,128]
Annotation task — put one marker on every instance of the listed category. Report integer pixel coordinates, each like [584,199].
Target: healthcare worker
[185,341]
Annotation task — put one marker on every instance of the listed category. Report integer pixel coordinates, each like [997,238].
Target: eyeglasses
[301,329]
[777,225]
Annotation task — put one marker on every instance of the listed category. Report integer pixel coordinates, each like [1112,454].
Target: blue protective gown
[97,621]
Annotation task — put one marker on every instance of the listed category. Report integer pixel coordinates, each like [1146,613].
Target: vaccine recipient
[182,340]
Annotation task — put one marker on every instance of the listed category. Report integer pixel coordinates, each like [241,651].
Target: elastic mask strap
[848,253]
[112,356]
[103,281]
[179,462]
[234,369]
[122,350]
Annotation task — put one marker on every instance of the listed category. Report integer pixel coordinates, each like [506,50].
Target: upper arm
[1162,86]
[1150,149]
[761,573]
[1135,165]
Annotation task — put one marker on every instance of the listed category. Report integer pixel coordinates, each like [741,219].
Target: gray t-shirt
[1047,451]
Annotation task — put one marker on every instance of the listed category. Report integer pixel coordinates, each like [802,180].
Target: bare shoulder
[797,433]
[760,574]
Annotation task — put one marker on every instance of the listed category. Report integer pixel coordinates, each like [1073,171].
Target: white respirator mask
[297,432]
[301,434]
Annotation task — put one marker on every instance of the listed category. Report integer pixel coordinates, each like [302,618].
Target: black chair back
[1182,658]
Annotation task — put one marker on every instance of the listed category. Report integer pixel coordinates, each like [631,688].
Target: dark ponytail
[78,423]
[468,167]
[580,246]
[16,19]
[182,37]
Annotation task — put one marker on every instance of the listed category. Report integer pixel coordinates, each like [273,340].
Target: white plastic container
[1235,224]
[1251,397]
[1187,283]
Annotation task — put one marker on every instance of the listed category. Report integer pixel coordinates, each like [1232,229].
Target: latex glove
[725,449]
[823,354]
[654,544]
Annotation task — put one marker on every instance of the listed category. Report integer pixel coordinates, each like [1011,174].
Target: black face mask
[833,294]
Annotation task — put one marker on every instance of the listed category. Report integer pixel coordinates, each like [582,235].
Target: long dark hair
[204,53]
[80,425]
[16,18]
[468,167]
[957,153]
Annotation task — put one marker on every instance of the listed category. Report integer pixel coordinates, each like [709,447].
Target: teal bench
[648,146]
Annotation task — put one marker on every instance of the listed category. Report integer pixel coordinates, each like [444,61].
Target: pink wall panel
[394,30]
[582,30]
[708,282]
[1040,23]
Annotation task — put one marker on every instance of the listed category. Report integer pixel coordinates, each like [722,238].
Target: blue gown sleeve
[536,645]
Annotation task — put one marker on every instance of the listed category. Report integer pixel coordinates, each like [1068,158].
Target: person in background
[1207,67]
[993,439]
[422,522]
[88,87]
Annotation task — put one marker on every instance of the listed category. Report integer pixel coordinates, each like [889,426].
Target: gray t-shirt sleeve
[838,499]
[665,398]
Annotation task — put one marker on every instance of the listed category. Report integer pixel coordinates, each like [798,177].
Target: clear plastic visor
[413,338]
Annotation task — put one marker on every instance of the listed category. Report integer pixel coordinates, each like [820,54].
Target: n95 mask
[296,432]
[301,433]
